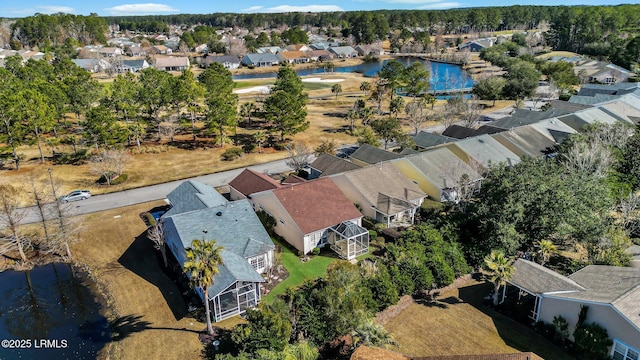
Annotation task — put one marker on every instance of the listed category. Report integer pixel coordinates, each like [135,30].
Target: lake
[51,312]
[443,76]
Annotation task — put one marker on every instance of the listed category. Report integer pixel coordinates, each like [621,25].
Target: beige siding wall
[359,162]
[605,315]
[413,174]
[235,194]
[289,230]
[354,195]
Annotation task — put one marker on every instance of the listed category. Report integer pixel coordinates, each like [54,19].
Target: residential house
[483,149]
[611,293]
[382,193]
[228,61]
[343,52]
[554,129]
[171,63]
[319,55]
[582,118]
[258,60]
[313,214]
[110,52]
[92,65]
[366,155]
[202,48]
[136,51]
[476,45]
[293,57]
[269,50]
[199,212]
[133,65]
[160,50]
[249,182]
[327,164]
[440,173]
[298,47]
[425,140]
[369,49]
[526,141]
[28,54]
[610,74]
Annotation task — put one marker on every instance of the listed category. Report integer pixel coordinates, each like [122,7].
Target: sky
[24,8]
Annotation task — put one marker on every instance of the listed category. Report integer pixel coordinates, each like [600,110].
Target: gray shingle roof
[525,140]
[235,227]
[537,279]
[234,268]
[372,155]
[605,284]
[426,140]
[459,132]
[487,150]
[329,165]
[193,195]
[442,167]
[554,129]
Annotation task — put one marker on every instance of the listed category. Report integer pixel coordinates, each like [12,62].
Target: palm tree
[247,109]
[365,87]
[546,248]
[351,116]
[336,89]
[201,266]
[500,271]
[260,137]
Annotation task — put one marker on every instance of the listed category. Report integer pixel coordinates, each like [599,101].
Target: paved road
[153,192]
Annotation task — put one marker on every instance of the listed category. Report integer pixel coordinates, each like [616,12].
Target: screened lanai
[349,240]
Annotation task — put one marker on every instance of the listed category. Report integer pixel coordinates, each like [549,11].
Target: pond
[443,76]
[50,312]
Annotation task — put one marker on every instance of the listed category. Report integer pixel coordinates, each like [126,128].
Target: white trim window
[258,262]
[621,351]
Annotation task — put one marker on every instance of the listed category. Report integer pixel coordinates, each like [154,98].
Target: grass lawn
[459,324]
[148,307]
[241,84]
[299,271]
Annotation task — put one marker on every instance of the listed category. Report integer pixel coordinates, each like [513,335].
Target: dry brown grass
[126,268]
[452,326]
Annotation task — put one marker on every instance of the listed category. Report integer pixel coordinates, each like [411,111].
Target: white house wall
[602,314]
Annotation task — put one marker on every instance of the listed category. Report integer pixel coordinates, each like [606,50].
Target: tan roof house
[382,193]
[171,63]
[160,50]
[293,57]
[249,182]
[314,214]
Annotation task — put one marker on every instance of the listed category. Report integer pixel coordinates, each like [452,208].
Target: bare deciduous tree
[415,111]
[299,155]
[156,235]
[590,157]
[629,208]
[10,217]
[109,164]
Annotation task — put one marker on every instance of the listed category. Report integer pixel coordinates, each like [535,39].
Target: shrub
[232,154]
[267,221]
[373,234]
[120,179]
[316,251]
[249,147]
[592,340]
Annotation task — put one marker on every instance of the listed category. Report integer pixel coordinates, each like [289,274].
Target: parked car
[76,195]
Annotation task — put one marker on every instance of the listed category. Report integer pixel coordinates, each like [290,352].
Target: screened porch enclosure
[235,299]
[349,240]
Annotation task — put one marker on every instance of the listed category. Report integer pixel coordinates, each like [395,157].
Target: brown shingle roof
[514,356]
[290,55]
[250,182]
[316,205]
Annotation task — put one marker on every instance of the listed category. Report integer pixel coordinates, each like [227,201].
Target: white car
[76,195]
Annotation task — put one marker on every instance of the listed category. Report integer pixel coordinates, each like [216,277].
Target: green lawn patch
[241,84]
[300,271]
[309,86]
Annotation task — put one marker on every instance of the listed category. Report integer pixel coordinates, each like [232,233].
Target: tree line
[52,104]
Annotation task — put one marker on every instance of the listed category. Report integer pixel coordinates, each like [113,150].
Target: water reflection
[443,76]
[53,302]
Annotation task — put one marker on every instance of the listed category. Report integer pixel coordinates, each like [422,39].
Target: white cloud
[291,8]
[441,5]
[54,9]
[43,10]
[140,9]
[252,9]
